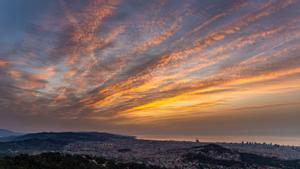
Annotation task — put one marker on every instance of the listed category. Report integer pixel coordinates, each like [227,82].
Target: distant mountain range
[71,136]
[8,133]
[50,141]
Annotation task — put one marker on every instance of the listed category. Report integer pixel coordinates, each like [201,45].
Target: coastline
[280,140]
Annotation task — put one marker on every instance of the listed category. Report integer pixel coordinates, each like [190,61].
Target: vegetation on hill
[217,156]
[65,161]
[53,141]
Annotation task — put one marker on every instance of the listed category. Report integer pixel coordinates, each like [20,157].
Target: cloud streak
[129,63]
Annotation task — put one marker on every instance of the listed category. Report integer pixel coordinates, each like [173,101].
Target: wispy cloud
[125,62]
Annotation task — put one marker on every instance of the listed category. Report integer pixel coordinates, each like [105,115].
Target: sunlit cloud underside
[213,65]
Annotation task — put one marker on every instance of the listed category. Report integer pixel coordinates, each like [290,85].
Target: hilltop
[8,133]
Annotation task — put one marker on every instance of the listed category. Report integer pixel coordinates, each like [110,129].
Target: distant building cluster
[170,154]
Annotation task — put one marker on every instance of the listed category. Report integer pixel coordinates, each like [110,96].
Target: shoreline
[279,140]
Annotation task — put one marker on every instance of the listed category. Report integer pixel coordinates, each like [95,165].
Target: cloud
[4,63]
[137,63]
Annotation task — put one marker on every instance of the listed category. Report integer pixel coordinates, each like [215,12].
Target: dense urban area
[104,150]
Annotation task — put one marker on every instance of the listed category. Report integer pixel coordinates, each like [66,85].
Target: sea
[281,140]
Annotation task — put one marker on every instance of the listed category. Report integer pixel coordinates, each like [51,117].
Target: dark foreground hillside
[203,157]
[63,161]
[215,156]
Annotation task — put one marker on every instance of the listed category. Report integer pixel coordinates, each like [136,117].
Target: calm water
[237,139]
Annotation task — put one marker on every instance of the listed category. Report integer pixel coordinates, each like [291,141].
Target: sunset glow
[177,67]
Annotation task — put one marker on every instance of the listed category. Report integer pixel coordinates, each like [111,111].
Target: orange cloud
[15,74]
[116,61]
[4,63]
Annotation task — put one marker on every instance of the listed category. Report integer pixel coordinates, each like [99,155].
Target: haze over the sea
[280,140]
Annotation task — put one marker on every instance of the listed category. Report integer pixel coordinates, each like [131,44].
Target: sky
[155,67]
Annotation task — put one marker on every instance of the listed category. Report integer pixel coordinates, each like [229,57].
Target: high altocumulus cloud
[125,62]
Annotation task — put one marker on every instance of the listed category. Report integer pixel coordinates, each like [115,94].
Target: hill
[216,156]
[8,133]
[210,156]
[71,136]
[64,161]
[50,141]
[105,150]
